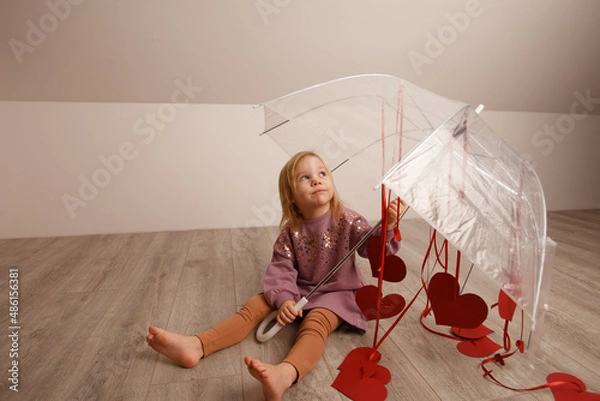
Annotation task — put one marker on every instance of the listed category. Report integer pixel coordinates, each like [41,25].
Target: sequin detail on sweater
[321,250]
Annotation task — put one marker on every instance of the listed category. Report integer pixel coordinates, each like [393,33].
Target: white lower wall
[87,168]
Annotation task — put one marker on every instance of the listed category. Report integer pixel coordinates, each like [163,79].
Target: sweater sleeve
[280,280]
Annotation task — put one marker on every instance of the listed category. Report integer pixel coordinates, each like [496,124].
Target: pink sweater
[304,255]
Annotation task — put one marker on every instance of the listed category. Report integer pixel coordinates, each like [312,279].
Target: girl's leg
[314,331]
[235,328]
[187,350]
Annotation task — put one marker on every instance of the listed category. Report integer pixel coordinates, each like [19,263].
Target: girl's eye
[322,174]
[304,177]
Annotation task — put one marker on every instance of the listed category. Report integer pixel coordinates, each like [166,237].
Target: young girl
[317,231]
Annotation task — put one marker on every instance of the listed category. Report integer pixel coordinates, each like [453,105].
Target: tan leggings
[314,330]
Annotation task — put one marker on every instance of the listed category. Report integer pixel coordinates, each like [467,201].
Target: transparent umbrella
[360,125]
[440,157]
[488,202]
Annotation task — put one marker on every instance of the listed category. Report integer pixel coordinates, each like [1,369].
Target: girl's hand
[396,208]
[286,313]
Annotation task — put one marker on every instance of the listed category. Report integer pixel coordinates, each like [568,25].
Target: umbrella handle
[271,318]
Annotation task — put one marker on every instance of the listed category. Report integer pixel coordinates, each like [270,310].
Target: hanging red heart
[394,267]
[472,334]
[360,377]
[478,348]
[451,309]
[573,389]
[506,306]
[366,299]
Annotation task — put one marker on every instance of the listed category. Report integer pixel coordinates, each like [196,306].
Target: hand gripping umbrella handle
[260,332]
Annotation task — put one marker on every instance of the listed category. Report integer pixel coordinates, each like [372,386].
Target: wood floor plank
[87,302]
[15,250]
[226,388]
[41,255]
[116,363]
[452,375]
[52,336]
[105,271]
[205,298]
[252,249]
[52,269]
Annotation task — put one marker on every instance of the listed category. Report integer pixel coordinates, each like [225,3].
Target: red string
[423,287]
[465,153]
[384,217]
[506,336]
[457,274]
[444,248]
[499,358]
[382,137]
[393,326]
[399,123]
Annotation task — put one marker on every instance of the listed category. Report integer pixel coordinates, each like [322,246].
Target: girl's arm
[395,209]
[279,283]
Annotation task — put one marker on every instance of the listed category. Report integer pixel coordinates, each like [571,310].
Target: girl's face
[314,187]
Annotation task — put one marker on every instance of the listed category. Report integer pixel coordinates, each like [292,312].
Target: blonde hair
[287,188]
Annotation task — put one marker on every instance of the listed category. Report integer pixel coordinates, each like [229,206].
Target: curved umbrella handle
[260,332]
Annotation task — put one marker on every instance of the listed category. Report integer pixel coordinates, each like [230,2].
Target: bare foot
[274,378]
[185,350]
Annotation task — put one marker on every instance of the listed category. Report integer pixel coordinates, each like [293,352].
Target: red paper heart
[472,334]
[506,306]
[394,268]
[573,390]
[366,299]
[358,355]
[478,348]
[360,377]
[466,311]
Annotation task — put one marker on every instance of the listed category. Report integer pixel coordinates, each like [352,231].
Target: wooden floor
[85,304]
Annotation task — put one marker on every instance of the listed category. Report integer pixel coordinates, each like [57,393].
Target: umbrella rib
[274,127]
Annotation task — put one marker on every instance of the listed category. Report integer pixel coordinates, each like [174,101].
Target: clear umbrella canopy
[344,121]
[439,156]
[480,195]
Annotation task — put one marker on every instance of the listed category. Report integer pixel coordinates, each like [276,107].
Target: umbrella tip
[479,108]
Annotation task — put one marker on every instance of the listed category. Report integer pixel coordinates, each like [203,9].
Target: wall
[86,168]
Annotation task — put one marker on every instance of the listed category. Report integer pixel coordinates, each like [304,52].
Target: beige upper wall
[514,55]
